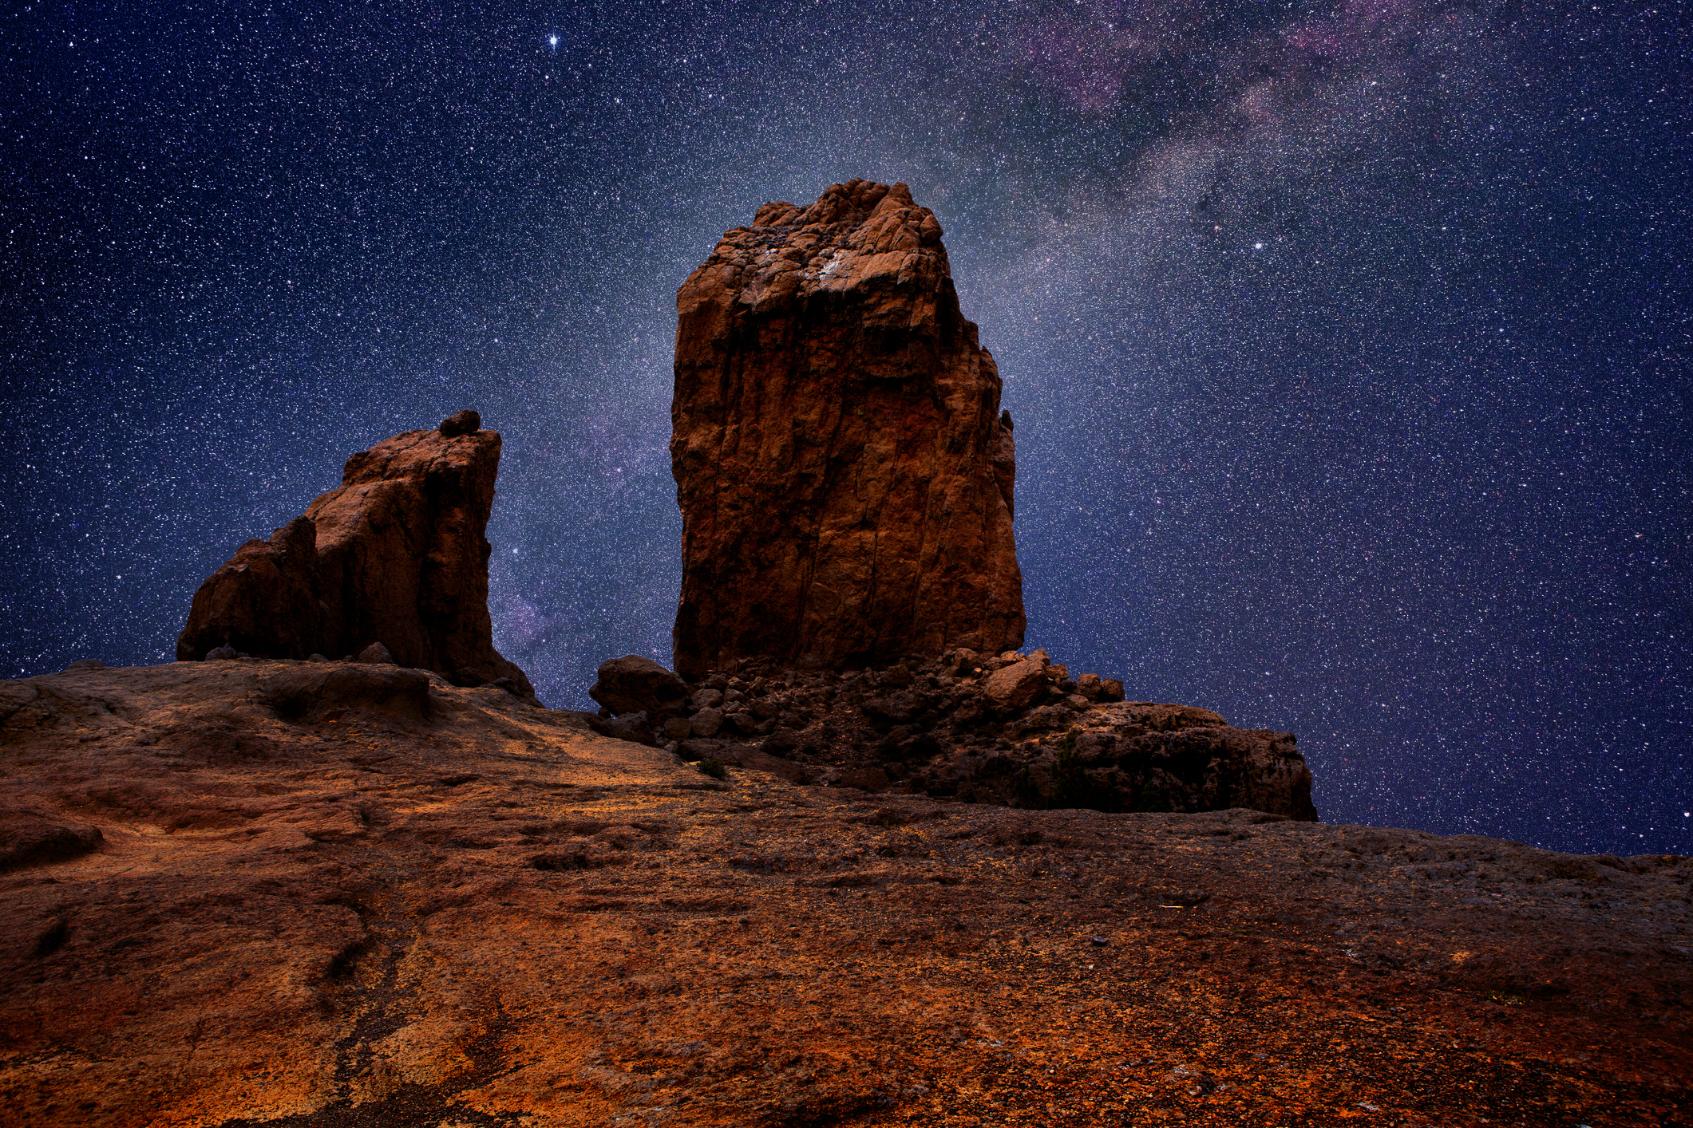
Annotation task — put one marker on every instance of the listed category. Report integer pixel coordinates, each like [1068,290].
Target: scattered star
[1405,474]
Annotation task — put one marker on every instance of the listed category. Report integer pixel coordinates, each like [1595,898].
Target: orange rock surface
[843,468]
[335,894]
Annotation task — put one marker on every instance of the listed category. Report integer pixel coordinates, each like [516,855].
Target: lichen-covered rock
[394,560]
[842,464]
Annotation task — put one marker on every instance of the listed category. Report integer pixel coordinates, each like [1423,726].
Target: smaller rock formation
[1011,729]
[391,566]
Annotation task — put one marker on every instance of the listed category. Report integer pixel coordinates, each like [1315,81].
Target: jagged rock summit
[842,464]
[395,556]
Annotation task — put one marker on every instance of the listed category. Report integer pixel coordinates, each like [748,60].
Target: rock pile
[1014,729]
[841,460]
[391,566]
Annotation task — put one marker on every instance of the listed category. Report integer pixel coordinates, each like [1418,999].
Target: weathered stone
[376,653]
[842,465]
[706,723]
[1014,688]
[466,422]
[633,684]
[395,555]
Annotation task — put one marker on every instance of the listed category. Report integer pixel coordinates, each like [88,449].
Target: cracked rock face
[842,464]
[396,556]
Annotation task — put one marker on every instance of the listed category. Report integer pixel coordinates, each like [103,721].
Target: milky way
[1348,345]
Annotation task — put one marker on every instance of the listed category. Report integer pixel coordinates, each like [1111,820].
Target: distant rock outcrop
[394,558]
[842,464]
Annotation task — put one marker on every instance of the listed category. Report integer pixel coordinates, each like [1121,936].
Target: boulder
[842,464]
[395,557]
[1013,688]
[466,422]
[633,684]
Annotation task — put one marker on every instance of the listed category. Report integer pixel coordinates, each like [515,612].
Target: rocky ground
[271,893]
[1012,729]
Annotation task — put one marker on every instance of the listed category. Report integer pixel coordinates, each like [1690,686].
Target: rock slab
[842,464]
[392,562]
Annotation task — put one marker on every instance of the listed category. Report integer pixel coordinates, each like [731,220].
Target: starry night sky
[1348,344]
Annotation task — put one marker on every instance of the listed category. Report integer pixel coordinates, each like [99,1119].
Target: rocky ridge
[844,471]
[392,565]
[1014,729]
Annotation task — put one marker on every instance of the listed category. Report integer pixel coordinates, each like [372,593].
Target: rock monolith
[842,464]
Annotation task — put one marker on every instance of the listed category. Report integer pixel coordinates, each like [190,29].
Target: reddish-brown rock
[287,894]
[842,464]
[395,556]
[1010,729]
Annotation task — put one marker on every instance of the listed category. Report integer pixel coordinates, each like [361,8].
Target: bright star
[552,41]
[1257,246]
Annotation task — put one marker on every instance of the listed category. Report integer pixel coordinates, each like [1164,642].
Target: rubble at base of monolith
[1013,729]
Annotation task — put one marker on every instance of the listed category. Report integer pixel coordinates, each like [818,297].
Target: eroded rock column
[842,464]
